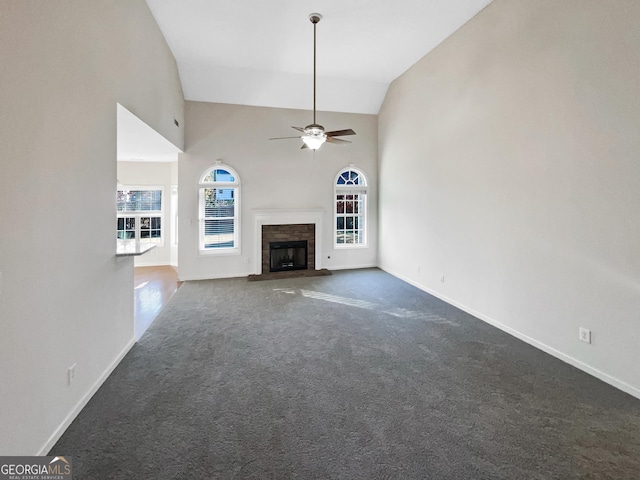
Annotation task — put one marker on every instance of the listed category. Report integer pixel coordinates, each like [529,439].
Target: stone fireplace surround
[289,233]
[306,224]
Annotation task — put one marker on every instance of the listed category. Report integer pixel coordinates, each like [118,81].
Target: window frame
[235,186]
[139,214]
[362,189]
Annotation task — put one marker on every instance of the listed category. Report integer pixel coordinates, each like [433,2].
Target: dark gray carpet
[352,376]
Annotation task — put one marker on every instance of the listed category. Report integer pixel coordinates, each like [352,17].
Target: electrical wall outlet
[584,335]
[71,373]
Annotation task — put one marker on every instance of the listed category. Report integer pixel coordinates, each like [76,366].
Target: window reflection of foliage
[350,196]
[218,175]
[142,200]
[210,197]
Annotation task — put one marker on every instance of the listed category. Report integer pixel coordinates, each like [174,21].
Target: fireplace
[294,243]
[288,225]
[287,256]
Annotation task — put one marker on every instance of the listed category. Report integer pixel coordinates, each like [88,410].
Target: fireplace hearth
[285,256]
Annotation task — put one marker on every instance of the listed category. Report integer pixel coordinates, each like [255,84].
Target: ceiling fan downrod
[314,18]
[314,135]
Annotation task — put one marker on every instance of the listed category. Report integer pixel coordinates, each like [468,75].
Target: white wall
[273,174]
[154,174]
[65,298]
[511,156]
[174,235]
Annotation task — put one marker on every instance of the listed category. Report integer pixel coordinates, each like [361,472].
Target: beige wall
[65,299]
[273,174]
[512,151]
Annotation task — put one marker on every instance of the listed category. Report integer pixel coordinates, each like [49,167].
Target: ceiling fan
[313,136]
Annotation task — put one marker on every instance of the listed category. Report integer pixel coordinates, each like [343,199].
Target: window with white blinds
[139,214]
[140,200]
[350,209]
[219,210]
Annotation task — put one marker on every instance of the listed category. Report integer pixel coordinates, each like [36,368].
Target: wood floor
[154,286]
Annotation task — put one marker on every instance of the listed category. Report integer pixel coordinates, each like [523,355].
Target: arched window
[350,208]
[219,210]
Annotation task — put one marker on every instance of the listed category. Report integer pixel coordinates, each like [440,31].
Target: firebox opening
[287,256]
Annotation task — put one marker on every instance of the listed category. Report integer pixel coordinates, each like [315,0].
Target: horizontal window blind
[219,202]
[139,201]
[219,216]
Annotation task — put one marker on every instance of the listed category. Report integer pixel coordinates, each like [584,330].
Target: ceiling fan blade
[304,145]
[300,129]
[337,141]
[282,138]
[340,133]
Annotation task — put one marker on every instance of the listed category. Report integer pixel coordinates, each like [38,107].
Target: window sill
[349,246]
[225,252]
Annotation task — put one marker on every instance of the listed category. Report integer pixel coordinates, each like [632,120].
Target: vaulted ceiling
[258,52]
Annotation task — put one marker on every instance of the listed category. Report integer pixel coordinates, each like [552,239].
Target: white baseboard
[83,401]
[353,267]
[605,377]
[151,264]
[189,278]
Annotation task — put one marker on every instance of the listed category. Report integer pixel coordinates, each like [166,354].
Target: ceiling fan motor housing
[314,129]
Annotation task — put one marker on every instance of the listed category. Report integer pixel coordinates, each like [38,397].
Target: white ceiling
[138,142]
[258,52]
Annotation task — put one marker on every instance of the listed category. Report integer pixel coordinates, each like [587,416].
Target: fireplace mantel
[286,217]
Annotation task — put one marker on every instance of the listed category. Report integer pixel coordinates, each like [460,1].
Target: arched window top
[220,174]
[351,177]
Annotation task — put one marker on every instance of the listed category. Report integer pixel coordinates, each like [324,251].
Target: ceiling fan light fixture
[314,142]
[314,135]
